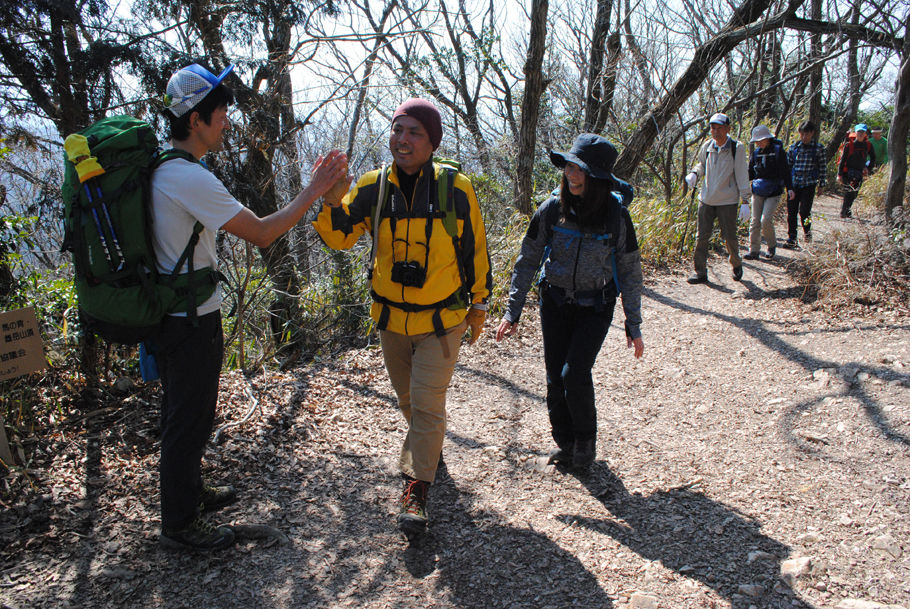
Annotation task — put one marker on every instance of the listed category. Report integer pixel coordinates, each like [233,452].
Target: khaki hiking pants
[420,368]
[726,217]
[762,224]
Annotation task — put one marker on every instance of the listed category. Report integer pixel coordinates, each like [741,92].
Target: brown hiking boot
[412,520]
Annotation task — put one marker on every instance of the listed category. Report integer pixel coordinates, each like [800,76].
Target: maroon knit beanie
[426,113]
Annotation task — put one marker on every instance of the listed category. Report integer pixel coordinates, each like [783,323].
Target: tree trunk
[815,79]
[705,58]
[854,81]
[530,105]
[897,134]
[597,106]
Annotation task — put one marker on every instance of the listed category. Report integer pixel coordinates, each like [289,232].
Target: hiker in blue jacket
[769,171]
[587,243]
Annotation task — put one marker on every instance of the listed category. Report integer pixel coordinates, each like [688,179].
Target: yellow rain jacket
[341,227]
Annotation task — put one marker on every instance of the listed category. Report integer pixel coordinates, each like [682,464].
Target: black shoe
[216,497]
[808,237]
[200,535]
[412,519]
[770,254]
[696,278]
[790,244]
[751,256]
[585,451]
[562,455]
[738,273]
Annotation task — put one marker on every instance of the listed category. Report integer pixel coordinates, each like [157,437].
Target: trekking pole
[682,243]
[110,226]
[88,168]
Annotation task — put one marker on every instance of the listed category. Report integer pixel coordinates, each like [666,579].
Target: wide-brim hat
[592,153]
[761,133]
[189,86]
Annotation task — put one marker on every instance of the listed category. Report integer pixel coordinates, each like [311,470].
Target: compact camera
[409,274]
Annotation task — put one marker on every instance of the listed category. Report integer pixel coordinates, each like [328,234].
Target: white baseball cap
[719,119]
[189,85]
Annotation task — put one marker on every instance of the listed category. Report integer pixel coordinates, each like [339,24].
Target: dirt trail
[757,436]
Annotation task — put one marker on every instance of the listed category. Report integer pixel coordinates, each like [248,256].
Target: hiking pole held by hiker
[87,167]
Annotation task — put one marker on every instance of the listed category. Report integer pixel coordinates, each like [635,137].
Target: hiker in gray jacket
[587,243]
[723,162]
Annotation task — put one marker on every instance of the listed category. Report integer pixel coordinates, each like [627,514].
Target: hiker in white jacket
[724,164]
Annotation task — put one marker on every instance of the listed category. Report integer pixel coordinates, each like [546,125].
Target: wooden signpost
[21,352]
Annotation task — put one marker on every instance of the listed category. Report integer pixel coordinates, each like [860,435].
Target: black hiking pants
[851,190]
[189,361]
[572,338]
[800,204]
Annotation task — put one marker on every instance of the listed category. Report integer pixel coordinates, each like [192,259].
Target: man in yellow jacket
[428,285]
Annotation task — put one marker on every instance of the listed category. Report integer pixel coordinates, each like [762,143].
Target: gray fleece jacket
[579,264]
[726,178]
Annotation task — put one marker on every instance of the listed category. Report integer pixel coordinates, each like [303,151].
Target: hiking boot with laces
[216,497]
[412,520]
[200,535]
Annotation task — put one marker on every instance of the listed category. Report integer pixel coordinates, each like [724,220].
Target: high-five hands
[329,176]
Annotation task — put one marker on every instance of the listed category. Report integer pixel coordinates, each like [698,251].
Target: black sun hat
[593,153]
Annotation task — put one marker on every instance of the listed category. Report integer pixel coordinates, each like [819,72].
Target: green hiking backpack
[107,227]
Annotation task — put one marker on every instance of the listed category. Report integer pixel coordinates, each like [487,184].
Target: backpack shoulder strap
[380,201]
[445,184]
[735,145]
[171,154]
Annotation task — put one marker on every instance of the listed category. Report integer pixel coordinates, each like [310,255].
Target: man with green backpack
[188,203]
[141,225]
[430,278]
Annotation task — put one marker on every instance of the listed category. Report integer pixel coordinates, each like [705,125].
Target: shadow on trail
[695,536]
[497,379]
[759,331]
[487,564]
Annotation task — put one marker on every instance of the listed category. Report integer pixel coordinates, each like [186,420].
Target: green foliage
[878,118]
[666,232]
[504,241]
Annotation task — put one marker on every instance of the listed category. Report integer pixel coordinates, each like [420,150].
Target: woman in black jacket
[586,240]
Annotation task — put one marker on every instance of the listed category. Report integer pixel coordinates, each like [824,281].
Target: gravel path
[758,456]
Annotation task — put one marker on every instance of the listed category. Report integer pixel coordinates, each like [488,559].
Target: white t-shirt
[184,192]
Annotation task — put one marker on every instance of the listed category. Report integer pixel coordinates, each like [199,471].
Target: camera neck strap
[383,195]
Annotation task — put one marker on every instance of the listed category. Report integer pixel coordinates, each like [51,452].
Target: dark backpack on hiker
[107,224]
